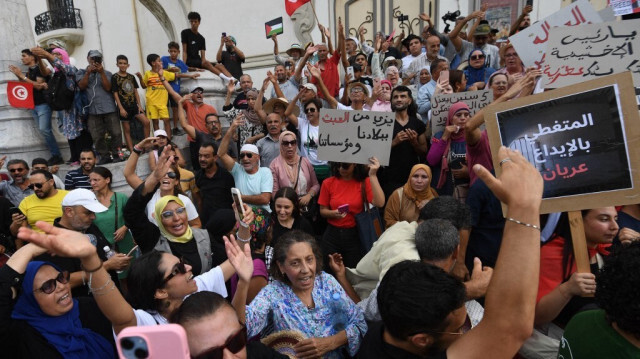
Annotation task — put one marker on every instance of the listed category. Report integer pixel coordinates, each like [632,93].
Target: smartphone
[350,72]
[224,34]
[132,250]
[153,341]
[17,210]
[237,200]
[529,2]
[343,208]
[444,76]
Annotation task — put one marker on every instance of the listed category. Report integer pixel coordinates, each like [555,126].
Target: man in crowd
[269,145]
[413,43]
[42,164]
[522,22]
[425,59]
[480,37]
[213,181]
[103,118]
[240,102]
[18,188]
[79,178]
[38,75]
[197,114]
[194,47]
[288,86]
[232,58]
[43,205]
[425,93]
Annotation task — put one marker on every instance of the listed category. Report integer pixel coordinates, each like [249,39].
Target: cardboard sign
[583,139]
[440,106]
[355,136]
[273,27]
[591,51]
[623,7]
[530,43]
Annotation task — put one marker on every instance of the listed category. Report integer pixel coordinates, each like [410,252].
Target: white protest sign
[355,136]
[440,106]
[590,51]
[531,43]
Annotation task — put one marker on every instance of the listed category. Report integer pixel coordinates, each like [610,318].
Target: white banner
[441,103]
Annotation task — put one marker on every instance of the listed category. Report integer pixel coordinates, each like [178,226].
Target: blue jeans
[42,115]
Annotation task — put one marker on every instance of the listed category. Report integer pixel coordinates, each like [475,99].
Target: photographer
[103,118]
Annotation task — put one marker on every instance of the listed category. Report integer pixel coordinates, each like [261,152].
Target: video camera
[450,16]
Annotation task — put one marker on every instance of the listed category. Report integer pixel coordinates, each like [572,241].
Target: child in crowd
[173,64]
[157,96]
[124,87]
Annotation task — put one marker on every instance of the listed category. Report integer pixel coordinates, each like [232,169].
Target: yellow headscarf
[160,205]
[428,193]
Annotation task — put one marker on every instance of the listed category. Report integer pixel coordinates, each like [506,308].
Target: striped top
[76,179]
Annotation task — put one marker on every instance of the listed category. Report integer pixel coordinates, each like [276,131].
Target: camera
[450,16]
[403,17]
[97,59]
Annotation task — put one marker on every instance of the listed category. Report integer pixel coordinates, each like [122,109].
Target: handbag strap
[295,185]
[365,203]
[116,212]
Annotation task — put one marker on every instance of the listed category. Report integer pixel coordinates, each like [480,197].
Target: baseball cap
[482,29]
[85,198]
[197,88]
[94,53]
[157,133]
[311,87]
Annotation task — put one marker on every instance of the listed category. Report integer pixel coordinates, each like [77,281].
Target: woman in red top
[561,289]
[344,190]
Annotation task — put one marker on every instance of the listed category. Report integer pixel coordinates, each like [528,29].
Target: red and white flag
[292,5]
[20,94]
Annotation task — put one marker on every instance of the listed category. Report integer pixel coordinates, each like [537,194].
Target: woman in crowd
[340,200]
[393,75]
[72,126]
[477,72]
[305,299]
[382,94]
[111,222]
[406,202]
[45,321]
[287,215]
[295,171]
[253,128]
[458,81]
[447,155]
[499,84]
[169,185]
[513,66]
[161,142]
[158,281]
[561,290]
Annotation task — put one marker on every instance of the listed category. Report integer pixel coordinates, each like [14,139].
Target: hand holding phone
[239,206]
[444,76]
[343,209]
[153,341]
[351,73]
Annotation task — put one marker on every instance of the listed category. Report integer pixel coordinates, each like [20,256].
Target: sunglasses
[477,57]
[12,170]
[49,286]
[197,92]
[177,269]
[291,143]
[171,175]
[169,214]
[234,344]
[36,185]
[309,110]
[246,154]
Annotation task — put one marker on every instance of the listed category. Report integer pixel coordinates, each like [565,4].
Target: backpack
[58,95]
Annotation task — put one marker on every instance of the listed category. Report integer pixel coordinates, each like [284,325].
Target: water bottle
[339,312]
[110,253]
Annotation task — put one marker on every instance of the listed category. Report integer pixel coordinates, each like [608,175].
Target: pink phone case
[161,341]
[344,208]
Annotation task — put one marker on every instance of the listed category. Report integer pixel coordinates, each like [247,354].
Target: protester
[477,72]
[251,129]
[40,163]
[479,40]
[17,188]
[512,63]
[79,178]
[405,203]
[287,215]
[232,57]
[382,94]
[292,170]
[457,81]
[162,140]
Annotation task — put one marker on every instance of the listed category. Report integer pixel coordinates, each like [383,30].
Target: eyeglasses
[36,185]
[357,89]
[172,175]
[291,143]
[246,154]
[310,110]
[511,55]
[49,286]
[234,344]
[12,170]
[179,268]
[477,57]
[170,214]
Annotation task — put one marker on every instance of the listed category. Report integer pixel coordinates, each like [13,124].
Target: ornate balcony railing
[63,18]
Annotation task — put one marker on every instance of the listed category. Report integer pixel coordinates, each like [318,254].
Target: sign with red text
[440,104]
[591,51]
[355,136]
[531,43]
[582,139]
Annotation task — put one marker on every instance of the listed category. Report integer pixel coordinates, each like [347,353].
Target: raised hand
[240,258]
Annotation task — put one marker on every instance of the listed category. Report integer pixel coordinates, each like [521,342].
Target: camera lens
[141,353]
[126,343]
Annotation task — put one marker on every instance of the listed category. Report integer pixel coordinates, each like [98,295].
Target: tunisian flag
[20,94]
[292,5]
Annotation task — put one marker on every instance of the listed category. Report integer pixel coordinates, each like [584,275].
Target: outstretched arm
[190,130]
[525,11]
[227,160]
[315,72]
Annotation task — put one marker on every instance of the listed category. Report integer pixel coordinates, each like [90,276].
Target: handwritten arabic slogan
[441,103]
[531,43]
[355,136]
[590,51]
[577,142]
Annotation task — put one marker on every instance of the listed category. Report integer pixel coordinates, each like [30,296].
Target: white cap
[85,198]
[157,133]
[249,148]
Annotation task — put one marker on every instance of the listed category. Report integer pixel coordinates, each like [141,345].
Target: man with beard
[240,102]
[522,22]
[289,87]
[79,178]
[232,58]
[425,93]
[480,37]
[329,65]
[42,164]
[409,143]
[213,181]
[79,208]
[43,205]
[18,188]
[269,146]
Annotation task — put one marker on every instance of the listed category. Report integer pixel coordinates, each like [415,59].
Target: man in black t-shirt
[38,75]
[193,49]
[213,181]
[232,58]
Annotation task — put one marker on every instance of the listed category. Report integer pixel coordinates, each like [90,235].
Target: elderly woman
[447,154]
[406,202]
[382,94]
[253,128]
[393,75]
[304,299]
[477,72]
[292,170]
[512,63]
[46,322]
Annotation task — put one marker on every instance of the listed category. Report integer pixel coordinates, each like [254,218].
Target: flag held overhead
[292,5]
[273,27]
[20,94]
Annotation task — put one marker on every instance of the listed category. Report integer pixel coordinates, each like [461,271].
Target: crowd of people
[449,277]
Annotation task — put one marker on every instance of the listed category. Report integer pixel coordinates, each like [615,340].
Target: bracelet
[93,270]
[524,224]
[242,240]
[93,290]
[137,150]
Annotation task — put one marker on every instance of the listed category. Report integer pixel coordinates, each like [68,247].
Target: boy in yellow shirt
[157,96]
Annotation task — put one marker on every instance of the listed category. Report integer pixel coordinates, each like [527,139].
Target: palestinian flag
[273,27]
